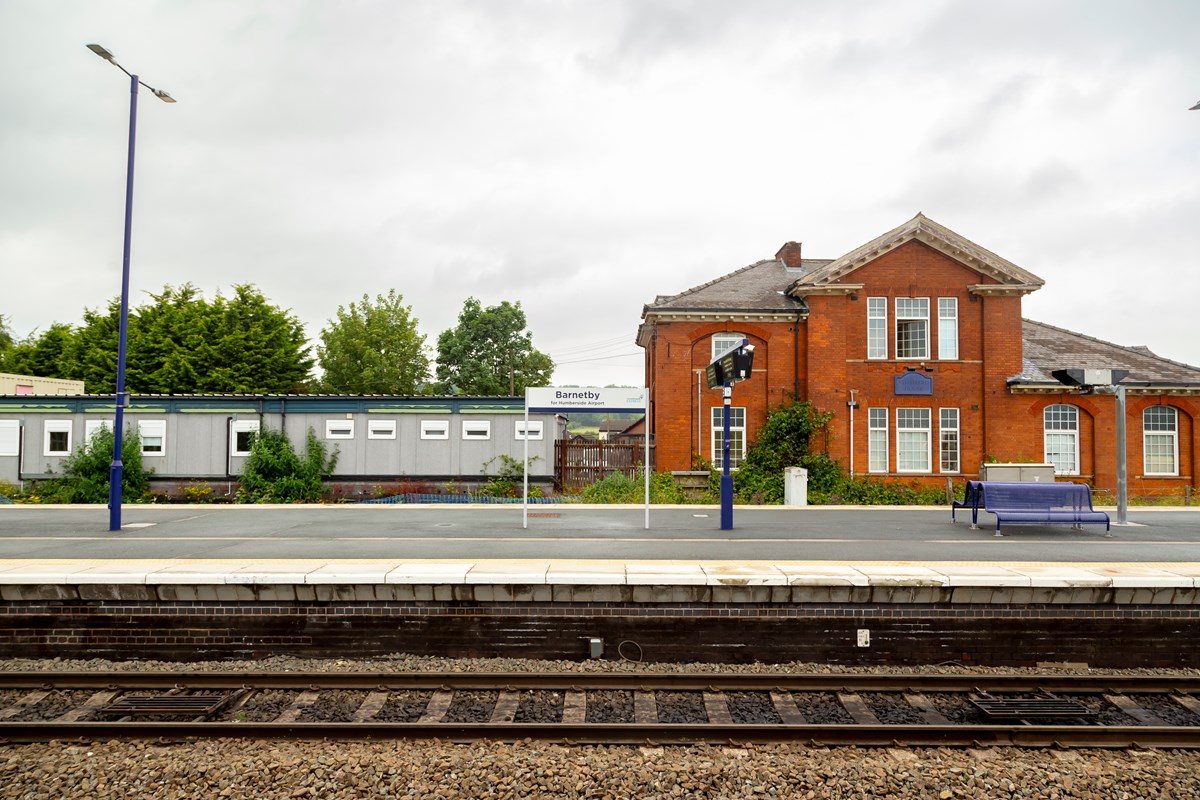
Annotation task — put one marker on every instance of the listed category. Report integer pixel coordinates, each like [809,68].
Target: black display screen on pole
[734,365]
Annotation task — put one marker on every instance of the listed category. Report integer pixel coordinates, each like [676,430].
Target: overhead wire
[594,351]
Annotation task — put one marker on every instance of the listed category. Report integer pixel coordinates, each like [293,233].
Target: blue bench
[1030,503]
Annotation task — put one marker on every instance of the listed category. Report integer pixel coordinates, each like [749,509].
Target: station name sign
[551,399]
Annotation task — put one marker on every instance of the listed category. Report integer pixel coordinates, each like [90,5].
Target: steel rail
[480,681]
[623,733]
[936,732]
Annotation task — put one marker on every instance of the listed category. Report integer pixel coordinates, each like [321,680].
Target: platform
[223,582]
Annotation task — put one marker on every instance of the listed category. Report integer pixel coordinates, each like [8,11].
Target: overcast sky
[583,156]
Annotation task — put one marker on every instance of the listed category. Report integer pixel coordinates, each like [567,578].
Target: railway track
[609,708]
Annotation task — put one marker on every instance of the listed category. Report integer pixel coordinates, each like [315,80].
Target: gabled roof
[758,287]
[1046,348]
[922,229]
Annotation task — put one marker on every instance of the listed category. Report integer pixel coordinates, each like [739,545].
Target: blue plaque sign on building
[914,383]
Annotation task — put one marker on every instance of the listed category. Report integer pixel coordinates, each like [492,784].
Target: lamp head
[103,53]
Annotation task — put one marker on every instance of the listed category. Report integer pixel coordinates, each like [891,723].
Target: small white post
[646,449]
[525,469]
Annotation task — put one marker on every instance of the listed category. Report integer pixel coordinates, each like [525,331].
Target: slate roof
[1047,348]
[757,287]
[922,229]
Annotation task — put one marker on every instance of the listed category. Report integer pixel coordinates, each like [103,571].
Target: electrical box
[1034,473]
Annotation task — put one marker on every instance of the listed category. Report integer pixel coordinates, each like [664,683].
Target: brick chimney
[789,254]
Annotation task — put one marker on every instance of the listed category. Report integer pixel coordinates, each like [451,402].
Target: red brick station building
[915,341]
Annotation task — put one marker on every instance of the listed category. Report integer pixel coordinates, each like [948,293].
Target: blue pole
[116,473]
[726,477]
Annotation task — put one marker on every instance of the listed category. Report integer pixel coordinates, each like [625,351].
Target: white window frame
[877,440]
[949,440]
[93,426]
[240,426]
[737,436]
[339,429]
[723,341]
[535,430]
[476,430]
[948,328]
[908,313]
[1160,436]
[149,429]
[877,327]
[381,429]
[435,429]
[1060,433]
[52,426]
[914,440]
[10,437]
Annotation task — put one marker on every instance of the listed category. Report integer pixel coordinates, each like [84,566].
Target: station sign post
[615,400]
[732,366]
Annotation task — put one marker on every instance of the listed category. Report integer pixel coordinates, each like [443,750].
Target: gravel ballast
[422,769]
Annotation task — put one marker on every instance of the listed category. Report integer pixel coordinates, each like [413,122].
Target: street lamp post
[1088,380]
[116,472]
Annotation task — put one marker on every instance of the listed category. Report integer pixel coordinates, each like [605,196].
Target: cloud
[584,157]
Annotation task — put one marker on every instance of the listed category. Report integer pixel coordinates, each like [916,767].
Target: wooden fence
[578,464]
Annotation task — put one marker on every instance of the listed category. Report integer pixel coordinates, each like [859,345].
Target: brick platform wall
[1149,635]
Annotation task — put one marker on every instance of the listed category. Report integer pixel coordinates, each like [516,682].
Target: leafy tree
[6,337]
[257,347]
[373,348]
[41,355]
[181,342]
[91,355]
[86,472]
[170,342]
[490,353]
[273,473]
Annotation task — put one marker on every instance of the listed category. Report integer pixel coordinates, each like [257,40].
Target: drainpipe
[229,448]
[796,359]
[699,434]
[852,405]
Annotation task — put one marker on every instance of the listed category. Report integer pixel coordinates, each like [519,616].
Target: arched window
[723,341]
[1160,440]
[1061,439]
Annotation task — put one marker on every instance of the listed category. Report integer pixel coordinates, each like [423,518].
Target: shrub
[86,472]
[273,473]
[785,440]
[197,492]
[509,480]
[873,492]
[619,488]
